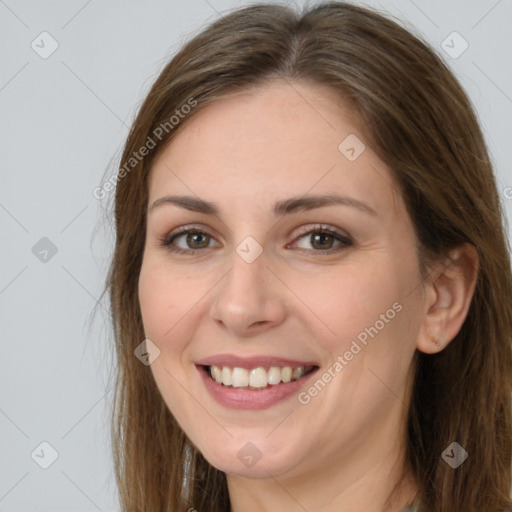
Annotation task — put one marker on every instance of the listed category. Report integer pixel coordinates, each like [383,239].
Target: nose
[249,299]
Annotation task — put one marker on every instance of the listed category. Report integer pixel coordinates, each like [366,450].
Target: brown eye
[322,239]
[190,240]
[197,240]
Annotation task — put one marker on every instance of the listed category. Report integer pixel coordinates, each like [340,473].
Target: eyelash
[345,241]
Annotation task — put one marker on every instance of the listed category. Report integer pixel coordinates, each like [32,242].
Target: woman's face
[309,261]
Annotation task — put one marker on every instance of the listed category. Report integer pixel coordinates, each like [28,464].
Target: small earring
[434,339]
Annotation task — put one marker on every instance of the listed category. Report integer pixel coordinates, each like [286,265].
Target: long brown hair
[420,122]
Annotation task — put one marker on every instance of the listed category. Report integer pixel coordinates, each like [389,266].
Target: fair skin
[344,449]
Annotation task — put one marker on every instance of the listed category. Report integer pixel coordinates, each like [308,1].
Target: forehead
[280,138]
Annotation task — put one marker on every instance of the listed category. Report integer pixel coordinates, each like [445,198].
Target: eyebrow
[283,207]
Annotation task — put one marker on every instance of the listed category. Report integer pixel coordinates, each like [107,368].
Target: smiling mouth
[257,378]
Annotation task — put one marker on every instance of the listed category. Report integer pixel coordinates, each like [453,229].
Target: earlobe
[429,343]
[448,299]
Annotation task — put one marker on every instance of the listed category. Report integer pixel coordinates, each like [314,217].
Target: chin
[258,458]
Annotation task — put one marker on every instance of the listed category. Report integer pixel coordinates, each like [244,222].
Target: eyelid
[168,238]
[323,228]
[345,240]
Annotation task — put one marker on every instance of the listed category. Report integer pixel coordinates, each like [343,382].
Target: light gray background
[62,120]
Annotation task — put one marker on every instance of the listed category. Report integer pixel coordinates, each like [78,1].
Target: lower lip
[247,399]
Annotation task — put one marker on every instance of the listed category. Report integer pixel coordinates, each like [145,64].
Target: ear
[448,297]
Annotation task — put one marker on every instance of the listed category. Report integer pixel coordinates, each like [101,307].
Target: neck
[369,492]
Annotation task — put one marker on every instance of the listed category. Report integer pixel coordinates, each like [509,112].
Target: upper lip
[252,362]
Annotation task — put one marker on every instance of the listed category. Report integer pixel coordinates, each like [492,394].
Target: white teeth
[216,374]
[239,378]
[286,374]
[256,377]
[226,376]
[274,375]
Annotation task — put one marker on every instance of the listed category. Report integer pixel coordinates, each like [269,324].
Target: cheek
[338,302]
[166,297]
[166,302]
[154,302]
[346,300]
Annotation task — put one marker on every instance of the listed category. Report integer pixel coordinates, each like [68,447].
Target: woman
[311,287]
